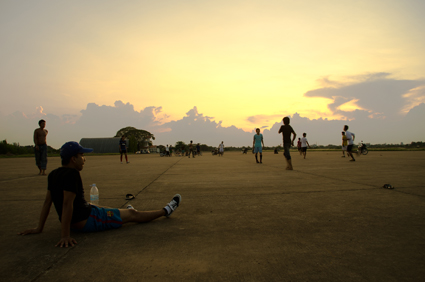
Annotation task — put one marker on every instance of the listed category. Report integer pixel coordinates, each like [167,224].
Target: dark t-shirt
[123,145]
[286,131]
[68,179]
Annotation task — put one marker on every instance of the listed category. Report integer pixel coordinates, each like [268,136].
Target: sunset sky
[244,63]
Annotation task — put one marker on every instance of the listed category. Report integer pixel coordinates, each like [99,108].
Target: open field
[328,220]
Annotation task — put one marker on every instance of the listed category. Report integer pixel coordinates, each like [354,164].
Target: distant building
[102,145]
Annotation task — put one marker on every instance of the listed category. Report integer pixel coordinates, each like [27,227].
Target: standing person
[65,190]
[191,149]
[167,151]
[256,143]
[40,149]
[350,139]
[221,149]
[344,144]
[198,149]
[123,148]
[304,144]
[182,148]
[171,150]
[299,146]
[286,131]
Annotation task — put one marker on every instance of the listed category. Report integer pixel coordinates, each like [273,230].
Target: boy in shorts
[286,131]
[256,144]
[304,144]
[350,139]
[66,192]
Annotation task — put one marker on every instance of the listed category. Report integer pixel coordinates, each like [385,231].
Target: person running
[304,144]
[198,149]
[344,144]
[65,190]
[350,139]
[286,131]
[123,148]
[40,148]
[221,149]
[191,149]
[256,143]
[299,146]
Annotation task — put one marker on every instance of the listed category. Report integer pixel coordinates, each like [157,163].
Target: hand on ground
[66,241]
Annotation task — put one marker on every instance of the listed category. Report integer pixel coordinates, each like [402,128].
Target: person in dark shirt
[286,131]
[65,190]
[123,148]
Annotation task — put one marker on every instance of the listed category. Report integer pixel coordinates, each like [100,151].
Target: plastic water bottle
[94,195]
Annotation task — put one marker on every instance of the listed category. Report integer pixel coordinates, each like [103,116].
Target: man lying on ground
[65,190]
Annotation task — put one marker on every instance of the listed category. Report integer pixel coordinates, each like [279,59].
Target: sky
[213,71]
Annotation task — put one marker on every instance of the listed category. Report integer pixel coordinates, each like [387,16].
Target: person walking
[304,144]
[286,131]
[256,144]
[350,139]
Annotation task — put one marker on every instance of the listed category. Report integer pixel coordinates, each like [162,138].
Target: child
[304,144]
[191,149]
[299,146]
[350,138]
[123,148]
[286,131]
[256,143]
[40,148]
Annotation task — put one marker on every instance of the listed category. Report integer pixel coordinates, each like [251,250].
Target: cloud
[201,129]
[377,108]
[375,93]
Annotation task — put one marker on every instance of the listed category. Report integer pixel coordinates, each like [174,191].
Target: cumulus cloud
[377,108]
[376,94]
[201,129]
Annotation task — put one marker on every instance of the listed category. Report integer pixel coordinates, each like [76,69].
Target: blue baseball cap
[72,148]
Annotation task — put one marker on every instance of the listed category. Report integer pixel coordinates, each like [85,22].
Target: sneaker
[128,162]
[121,162]
[172,206]
[130,207]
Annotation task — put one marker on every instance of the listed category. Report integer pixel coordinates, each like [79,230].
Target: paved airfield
[328,220]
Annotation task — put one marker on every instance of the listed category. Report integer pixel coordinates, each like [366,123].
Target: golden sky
[230,59]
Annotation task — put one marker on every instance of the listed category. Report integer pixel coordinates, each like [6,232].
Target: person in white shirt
[350,139]
[221,149]
[304,144]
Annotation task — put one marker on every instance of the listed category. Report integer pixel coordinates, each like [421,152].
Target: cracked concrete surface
[328,220]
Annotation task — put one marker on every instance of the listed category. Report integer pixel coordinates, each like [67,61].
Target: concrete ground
[328,220]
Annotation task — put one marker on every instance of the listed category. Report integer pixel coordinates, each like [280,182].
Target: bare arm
[43,216]
[262,140]
[36,138]
[67,209]
[293,138]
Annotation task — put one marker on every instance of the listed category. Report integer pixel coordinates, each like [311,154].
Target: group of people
[66,192]
[65,189]
[287,131]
